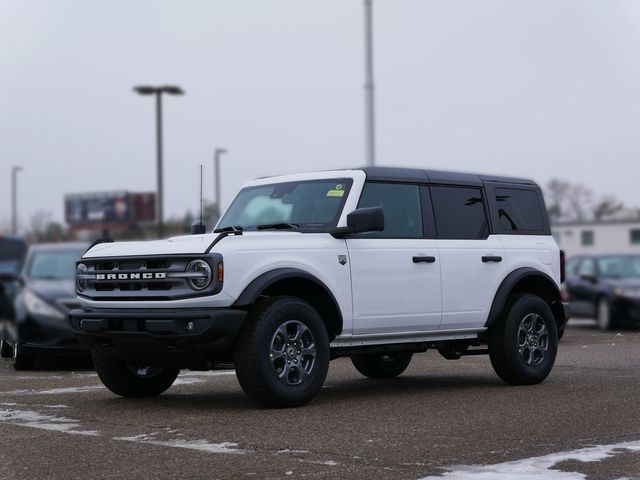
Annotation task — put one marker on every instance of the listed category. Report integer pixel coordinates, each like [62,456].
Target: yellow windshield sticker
[335,193]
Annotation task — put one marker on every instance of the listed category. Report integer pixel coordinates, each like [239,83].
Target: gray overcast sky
[535,88]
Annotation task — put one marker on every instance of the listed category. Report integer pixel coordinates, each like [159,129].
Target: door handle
[491,258]
[422,259]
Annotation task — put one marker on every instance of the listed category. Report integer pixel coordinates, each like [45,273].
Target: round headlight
[203,277]
[81,284]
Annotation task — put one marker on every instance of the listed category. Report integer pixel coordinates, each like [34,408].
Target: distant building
[606,236]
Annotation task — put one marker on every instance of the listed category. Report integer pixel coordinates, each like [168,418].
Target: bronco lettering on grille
[132,276]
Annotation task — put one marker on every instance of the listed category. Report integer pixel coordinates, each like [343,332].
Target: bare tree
[608,205]
[568,202]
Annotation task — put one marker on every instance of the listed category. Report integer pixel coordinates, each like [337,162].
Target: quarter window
[518,210]
[459,212]
[635,236]
[401,206]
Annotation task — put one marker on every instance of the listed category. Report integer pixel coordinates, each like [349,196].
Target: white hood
[186,244]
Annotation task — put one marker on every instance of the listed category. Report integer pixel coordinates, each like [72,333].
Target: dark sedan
[605,287]
[45,294]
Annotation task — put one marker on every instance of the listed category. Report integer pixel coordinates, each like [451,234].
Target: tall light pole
[158,91]
[14,199]
[216,177]
[369,86]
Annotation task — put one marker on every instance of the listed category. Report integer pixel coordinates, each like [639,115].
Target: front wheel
[21,360]
[133,381]
[6,351]
[389,365]
[523,346]
[282,356]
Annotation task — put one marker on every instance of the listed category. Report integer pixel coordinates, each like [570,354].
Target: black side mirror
[366,220]
[198,228]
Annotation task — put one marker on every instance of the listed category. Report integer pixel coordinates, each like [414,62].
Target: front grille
[144,278]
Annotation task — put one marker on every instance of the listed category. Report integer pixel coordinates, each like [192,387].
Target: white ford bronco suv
[375,264]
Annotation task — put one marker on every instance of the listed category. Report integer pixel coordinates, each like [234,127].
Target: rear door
[395,274]
[471,260]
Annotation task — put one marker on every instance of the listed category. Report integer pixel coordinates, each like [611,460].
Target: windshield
[312,205]
[623,266]
[54,264]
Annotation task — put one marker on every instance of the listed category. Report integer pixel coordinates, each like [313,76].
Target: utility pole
[216,178]
[14,199]
[369,85]
[158,91]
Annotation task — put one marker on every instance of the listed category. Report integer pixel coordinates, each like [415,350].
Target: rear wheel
[523,346]
[133,381]
[603,315]
[389,365]
[282,357]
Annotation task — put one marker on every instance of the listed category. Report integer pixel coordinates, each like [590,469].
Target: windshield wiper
[235,228]
[278,226]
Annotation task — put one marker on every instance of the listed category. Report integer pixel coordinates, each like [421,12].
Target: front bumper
[160,336]
[40,335]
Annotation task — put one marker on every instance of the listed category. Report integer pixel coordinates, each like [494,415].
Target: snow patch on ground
[202,445]
[29,418]
[187,381]
[209,373]
[55,391]
[537,468]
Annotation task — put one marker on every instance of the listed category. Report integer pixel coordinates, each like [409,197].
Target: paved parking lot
[440,416]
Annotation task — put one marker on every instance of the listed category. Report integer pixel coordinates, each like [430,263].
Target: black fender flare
[261,283]
[507,285]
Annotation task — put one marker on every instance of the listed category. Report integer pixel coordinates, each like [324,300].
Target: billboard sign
[109,208]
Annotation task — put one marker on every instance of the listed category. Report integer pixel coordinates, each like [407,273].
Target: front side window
[619,266]
[518,210]
[312,205]
[401,206]
[459,213]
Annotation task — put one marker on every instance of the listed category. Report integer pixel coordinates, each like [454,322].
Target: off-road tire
[509,359]
[257,368]
[119,377]
[388,365]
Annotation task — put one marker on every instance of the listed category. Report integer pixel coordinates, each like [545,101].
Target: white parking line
[537,468]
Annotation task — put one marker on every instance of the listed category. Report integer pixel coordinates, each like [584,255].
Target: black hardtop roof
[397,174]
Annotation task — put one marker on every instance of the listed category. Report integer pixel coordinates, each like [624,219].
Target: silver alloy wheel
[533,339]
[144,371]
[293,352]
[604,315]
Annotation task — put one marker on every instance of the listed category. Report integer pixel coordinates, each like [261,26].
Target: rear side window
[401,205]
[518,210]
[459,212]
